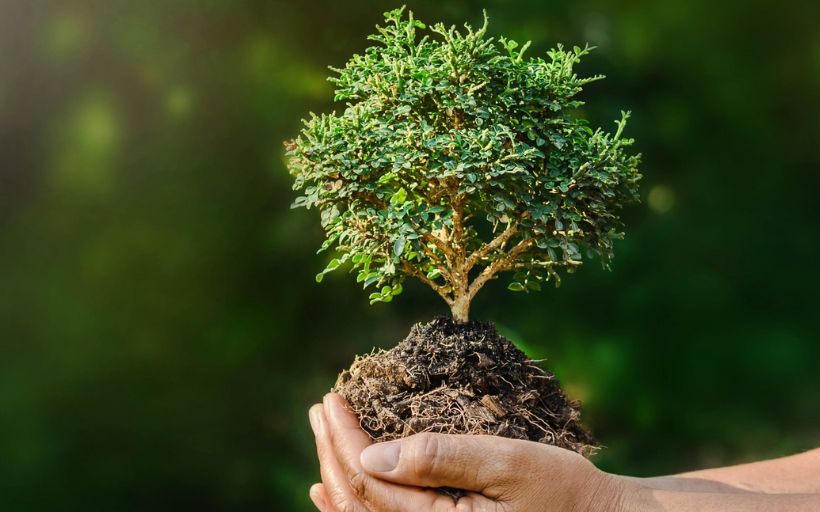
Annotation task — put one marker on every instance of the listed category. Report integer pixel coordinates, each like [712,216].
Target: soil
[461,379]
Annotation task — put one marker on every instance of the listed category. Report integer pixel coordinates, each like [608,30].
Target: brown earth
[461,379]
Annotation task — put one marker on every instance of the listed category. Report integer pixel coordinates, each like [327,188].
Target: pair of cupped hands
[401,476]
[507,475]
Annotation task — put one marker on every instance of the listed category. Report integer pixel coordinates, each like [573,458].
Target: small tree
[458,159]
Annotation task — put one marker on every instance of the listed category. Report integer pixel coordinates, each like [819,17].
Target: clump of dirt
[461,379]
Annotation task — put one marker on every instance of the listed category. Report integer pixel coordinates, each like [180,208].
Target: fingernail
[381,457]
[316,422]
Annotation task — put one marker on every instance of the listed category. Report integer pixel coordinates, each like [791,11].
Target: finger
[349,440]
[319,497]
[339,494]
[483,464]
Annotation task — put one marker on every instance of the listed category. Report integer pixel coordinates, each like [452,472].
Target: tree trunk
[460,309]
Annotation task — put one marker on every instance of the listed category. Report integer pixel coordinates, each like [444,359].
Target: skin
[507,475]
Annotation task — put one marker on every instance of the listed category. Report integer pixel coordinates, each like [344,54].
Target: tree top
[458,158]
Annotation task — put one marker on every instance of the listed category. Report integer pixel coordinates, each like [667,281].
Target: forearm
[785,484]
[648,499]
[798,473]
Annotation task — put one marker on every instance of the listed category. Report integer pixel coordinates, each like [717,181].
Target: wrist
[625,494]
[606,492]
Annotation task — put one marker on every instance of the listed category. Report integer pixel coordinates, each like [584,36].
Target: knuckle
[341,502]
[359,482]
[427,454]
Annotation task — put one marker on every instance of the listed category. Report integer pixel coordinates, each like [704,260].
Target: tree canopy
[458,158]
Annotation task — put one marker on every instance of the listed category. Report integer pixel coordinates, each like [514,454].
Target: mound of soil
[461,379]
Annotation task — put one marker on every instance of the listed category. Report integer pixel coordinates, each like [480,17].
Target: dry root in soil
[460,379]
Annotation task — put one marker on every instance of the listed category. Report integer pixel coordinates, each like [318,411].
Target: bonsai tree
[458,158]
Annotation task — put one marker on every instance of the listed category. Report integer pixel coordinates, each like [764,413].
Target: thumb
[484,464]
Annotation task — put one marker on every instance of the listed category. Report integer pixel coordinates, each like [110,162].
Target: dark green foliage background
[161,333]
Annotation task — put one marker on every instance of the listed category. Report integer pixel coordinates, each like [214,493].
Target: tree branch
[440,289]
[492,245]
[437,261]
[546,264]
[496,243]
[438,242]
[499,265]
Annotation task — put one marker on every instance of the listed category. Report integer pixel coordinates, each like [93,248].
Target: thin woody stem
[492,245]
[438,242]
[436,261]
[496,243]
[499,265]
[442,290]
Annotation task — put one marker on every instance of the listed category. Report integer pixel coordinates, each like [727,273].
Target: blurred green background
[161,334]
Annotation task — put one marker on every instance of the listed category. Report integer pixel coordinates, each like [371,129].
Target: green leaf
[399,197]
[398,246]
[516,287]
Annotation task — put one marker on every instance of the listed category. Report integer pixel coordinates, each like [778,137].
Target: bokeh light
[661,198]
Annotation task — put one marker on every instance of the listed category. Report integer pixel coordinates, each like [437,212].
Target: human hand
[498,473]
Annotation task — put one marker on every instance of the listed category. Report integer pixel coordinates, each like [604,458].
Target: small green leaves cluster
[458,157]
